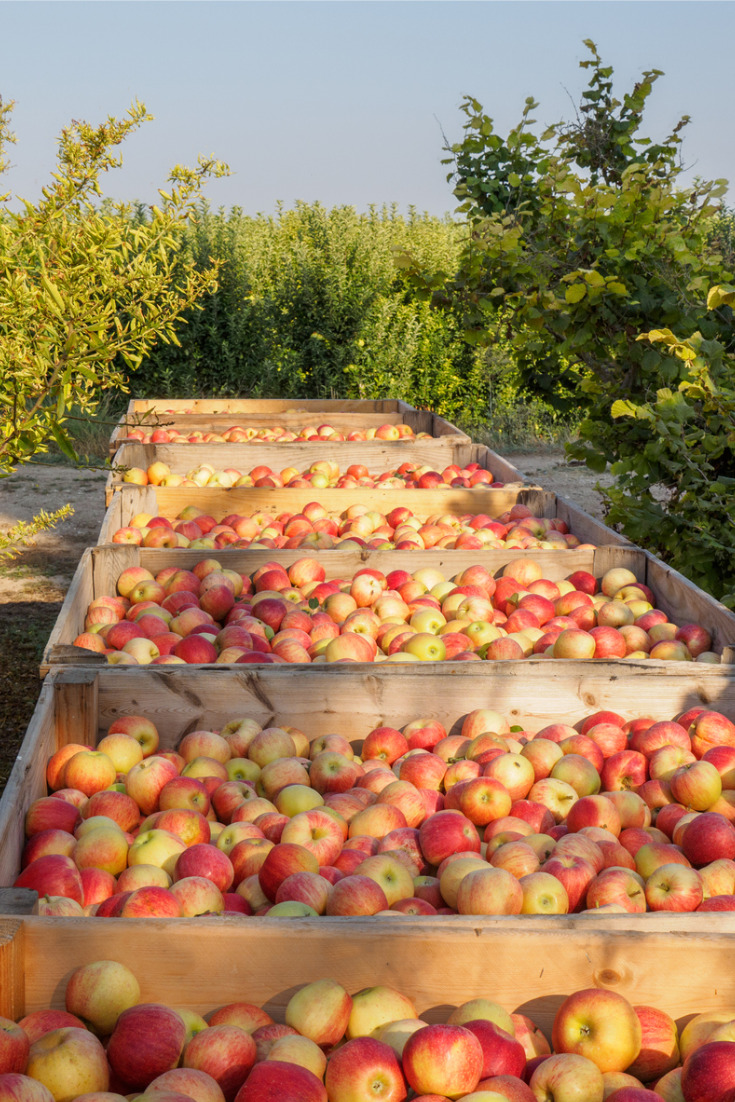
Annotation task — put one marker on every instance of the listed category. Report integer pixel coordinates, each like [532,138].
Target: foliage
[675,477]
[582,238]
[22,533]
[85,289]
[313,303]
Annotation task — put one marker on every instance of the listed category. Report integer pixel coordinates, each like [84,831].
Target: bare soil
[33,585]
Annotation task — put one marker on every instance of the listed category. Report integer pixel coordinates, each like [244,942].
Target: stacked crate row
[435,960]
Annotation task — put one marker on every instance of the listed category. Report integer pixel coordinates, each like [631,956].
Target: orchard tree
[86,289]
[581,239]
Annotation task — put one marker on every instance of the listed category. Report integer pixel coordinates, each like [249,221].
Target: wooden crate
[168,501]
[530,969]
[212,415]
[100,567]
[376,455]
[78,705]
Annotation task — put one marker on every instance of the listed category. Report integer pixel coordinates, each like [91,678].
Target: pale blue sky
[345,102]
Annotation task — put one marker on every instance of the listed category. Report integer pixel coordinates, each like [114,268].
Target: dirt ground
[32,586]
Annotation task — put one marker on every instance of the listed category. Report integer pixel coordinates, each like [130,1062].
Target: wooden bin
[213,415]
[376,455]
[168,501]
[530,969]
[100,567]
[78,705]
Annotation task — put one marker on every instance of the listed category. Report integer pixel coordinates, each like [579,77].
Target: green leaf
[623,408]
[63,441]
[719,295]
[596,462]
[575,293]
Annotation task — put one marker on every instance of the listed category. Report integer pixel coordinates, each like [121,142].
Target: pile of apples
[356,527]
[272,434]
[614,816]
[108,1046]
[293,614]
[320,475]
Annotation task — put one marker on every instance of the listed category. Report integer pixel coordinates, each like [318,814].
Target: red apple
[599,1024]
[148,1039]
[443,1059]
[276,1081]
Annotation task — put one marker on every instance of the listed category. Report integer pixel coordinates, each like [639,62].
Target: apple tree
[86,289]
[580,239]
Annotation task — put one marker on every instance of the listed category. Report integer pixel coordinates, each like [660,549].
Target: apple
[14,1046]
[708,1073]
[102,847]
[15,1087]
[567,1077]
[389,872]
[197,895]
[150,901]
[276,1080]
[53,874]
[579,772]
[543,893]
[707,838]
[281,861]
[453,870]
[556,795]
[674,887]
[502,1053]
[697,785]
[225,1052]
[659,1044]
[320,1011]
[489,891]
[443,1059]
[599,1024]
[356,895]
[50,813]
[147,1040]
[99,992]
[146,779]
[447,832]
[709,729]
[575,873]
[89,771]
[362,1069]
[69,1061]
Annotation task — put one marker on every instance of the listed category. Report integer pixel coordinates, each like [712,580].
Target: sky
[347,103]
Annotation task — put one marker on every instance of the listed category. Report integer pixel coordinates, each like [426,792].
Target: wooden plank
[355,699]
[78,596]
[12,968]
[267,405]
[294,420]
[260,961]
[76,706]
[27,781]
[691,602]
[377,455]
[169,501]
[17,901]
[216,415]
[587,527]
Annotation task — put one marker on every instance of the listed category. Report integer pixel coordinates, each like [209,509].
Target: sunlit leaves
[84,287]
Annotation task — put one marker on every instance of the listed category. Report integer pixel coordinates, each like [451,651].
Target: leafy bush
[313,303]
[676,471]
[582,240]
